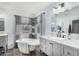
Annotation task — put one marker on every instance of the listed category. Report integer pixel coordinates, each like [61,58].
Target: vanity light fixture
[59,8]
[62,5]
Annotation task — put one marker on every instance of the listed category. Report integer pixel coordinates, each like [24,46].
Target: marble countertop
[64,41]
[3,34]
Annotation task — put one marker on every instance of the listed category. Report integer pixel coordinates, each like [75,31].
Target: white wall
[29,9]
[48,13]
[9,26]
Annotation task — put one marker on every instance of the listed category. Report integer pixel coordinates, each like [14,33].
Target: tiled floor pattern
[16,52]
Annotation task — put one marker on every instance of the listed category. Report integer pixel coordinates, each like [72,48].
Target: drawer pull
[68,53]
[51,43]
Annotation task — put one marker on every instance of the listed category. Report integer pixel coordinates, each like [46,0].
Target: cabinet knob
[51,43]
[68,53]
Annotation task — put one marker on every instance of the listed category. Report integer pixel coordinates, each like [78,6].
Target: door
[42,44]
[48,47]
[53,49]
[56,49]
[68,51]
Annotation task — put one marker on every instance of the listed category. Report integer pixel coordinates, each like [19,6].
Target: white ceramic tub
[26,45]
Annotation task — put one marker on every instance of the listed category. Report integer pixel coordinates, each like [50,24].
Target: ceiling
[24,8]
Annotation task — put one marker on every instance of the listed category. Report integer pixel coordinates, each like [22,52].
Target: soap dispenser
[69,32]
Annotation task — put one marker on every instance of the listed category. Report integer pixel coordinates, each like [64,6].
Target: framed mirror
[2,25]
[75,26]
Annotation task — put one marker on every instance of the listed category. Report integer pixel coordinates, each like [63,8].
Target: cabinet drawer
[68,51]
[56,49]
[78,52]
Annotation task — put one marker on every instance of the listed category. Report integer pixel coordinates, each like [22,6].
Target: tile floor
[16,52]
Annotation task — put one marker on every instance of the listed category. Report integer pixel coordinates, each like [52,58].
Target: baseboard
[10,46]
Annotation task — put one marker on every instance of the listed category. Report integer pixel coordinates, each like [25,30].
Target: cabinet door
[42,44]
[49,48]
[68,51]
[78,52]
[56,49]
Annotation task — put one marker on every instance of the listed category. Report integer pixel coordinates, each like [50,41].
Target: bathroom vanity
[4,41]
[54,46]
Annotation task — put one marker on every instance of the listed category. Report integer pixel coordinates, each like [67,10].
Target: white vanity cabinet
[4,41]
[53,49]
[77,52]
[56,49]
[42,44]
[69,51]
[48,47]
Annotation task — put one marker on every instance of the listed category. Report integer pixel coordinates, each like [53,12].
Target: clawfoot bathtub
[26,45]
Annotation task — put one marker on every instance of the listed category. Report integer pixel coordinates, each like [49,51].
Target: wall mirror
[66,18]
[2,25]
[75,26]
